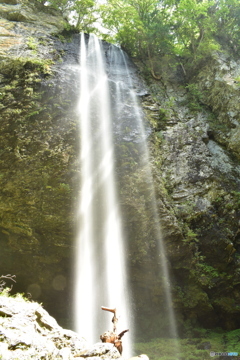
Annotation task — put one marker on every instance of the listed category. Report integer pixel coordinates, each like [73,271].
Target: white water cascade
[100,273]
[145,160]
[126,94]
[110,118]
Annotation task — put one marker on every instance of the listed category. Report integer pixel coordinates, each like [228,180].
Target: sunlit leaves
[193,27]
[138,25]
[149,29]
[124,24]
[81,12]
[226,15]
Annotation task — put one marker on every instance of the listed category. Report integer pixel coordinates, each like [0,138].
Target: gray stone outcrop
[27,331]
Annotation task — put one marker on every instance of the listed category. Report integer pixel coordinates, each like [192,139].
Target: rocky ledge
[27,331]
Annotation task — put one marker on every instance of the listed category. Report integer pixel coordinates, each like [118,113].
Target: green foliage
[230,306]
[194,97]
[16,66]
[21,297]
[190,236]
[207,275]
[81,13]
[236,199]
[193,28]
[149,29]
[84,14]
[197,346]
[64,187]
[226,15]
[56,4]
[140,27]
[32,43]
[5,291]
[189,29]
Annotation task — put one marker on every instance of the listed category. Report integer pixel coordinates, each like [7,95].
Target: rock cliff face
[194,153]
[38,150]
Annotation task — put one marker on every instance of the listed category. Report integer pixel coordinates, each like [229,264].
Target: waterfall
[101,270]
[138,132]
[145,159]
[110,118]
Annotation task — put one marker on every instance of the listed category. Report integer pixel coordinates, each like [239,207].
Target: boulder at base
[27,331]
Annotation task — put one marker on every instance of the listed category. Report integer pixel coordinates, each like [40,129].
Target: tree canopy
[81,13]
[191,29]
[150,29]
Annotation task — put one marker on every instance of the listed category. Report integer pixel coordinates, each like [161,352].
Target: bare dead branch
[3,282]
[9,277]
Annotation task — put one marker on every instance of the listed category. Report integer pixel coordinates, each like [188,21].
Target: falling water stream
[149,179]
[101,278]
[108,113]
